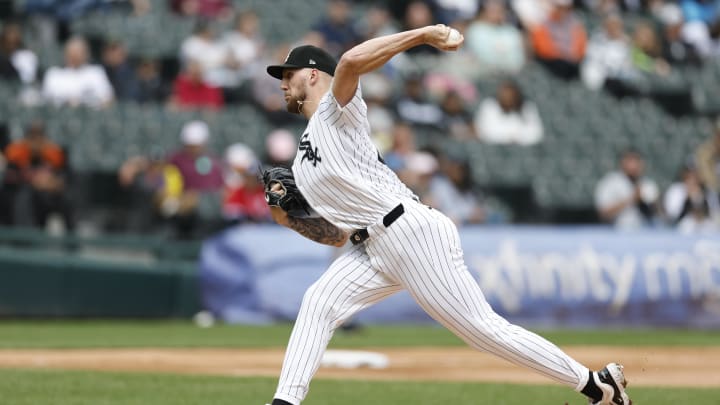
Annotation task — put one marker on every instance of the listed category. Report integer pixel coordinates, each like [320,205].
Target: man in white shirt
[244,42]
[508,118]
[215,56]
[608,55]
[626,198]
[78,83]
[23,60]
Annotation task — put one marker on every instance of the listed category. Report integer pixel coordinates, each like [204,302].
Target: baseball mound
[644,366]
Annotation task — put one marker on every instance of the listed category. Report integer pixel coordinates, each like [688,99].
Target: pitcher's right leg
[349,285]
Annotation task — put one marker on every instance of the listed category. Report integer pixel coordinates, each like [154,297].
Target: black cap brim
[276,71]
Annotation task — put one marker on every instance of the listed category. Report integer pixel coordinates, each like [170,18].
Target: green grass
[59,387]
[78,334]
[32,387]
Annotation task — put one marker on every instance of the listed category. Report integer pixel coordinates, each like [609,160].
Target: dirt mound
[645,366]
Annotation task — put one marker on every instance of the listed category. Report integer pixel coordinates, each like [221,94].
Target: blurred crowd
[629,199]
[634,52]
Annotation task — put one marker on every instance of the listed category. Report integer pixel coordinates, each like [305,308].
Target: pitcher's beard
[294,104]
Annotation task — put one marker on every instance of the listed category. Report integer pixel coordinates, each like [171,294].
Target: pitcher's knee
[492,326]
[317,303]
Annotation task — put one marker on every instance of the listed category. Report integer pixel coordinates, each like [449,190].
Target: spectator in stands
[152,182]
[140,7]
[244,199]
[452,11]
[337,27]
[701,19]
[508,118]
[280,148]
[419,170]
[403,146]
[675,48]
[414,107]
[201,171]
[626,198]
[452,191]
[376,22]
[214,56]
[77,83]
[559,42]
[8,71]
[202,8]
[418,14]
[707,158]
[377,92]
[457,120]
[689,206]
[151,88]
[16,61]
[647,51]
[497,44]
[37,177]
[651,75]
[190,91]
[398,8]
[531,13]
[202,178]
[608,55]
[119,70]
[244,44]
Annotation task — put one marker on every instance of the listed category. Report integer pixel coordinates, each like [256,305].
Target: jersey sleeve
[353,114]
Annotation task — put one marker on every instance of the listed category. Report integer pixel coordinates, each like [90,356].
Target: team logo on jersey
[310,153]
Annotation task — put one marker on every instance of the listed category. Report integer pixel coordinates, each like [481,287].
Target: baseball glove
[288,196]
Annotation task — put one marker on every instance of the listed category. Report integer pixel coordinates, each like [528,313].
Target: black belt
[361,235]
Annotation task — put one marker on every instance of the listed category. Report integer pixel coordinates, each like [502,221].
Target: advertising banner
[541,276]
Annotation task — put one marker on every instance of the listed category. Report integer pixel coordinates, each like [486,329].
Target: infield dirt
[645,366]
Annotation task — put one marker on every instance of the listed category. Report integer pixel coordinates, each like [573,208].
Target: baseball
[454,36]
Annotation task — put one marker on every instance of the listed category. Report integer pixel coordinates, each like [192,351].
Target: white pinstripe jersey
[339,170]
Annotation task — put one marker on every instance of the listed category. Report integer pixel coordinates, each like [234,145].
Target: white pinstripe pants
[419,252]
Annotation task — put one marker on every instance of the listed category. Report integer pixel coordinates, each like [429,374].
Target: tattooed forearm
[319,230]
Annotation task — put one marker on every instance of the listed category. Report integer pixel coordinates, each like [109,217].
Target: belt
[361,235]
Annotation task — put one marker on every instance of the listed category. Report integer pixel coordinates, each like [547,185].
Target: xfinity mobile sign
[546,276]
[587,273]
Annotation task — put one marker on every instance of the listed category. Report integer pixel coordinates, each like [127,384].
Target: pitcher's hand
[443,37]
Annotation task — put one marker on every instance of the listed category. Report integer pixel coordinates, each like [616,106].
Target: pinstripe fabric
[349,186]
[348,286]
[423,253]
[339,172]
[419,252]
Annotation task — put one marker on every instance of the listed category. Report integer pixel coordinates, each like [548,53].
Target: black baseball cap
[305,56]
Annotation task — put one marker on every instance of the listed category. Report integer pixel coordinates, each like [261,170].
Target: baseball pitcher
[340,189]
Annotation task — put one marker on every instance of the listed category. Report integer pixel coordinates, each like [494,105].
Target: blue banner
[540,276]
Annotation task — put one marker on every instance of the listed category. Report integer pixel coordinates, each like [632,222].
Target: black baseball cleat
[612,383]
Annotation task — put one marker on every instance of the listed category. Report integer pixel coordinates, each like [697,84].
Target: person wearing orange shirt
[559,43]
[36,172]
